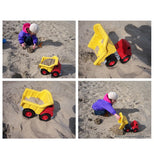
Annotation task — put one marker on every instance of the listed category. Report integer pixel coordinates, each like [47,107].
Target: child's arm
[21,37]
[35,40]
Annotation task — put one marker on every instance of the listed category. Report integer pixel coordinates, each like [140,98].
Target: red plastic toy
[47,113]
[124,53]
[57,70]
[133,127]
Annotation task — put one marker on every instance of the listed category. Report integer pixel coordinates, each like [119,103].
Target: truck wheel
[45,117]
[55,74]
[111,60]
[28,113]
[135,130]
[125,59]
[44,72]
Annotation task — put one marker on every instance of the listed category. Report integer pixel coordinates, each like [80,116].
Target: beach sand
[137,33]
[15,125]
[134,102]
[58,38]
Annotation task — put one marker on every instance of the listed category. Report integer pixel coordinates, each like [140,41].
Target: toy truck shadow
[67,69]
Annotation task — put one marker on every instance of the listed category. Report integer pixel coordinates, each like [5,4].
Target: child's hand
[34,46]
[23,45]
[117,116]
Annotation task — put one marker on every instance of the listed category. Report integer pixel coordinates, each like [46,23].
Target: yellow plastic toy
[122,120]
[54,68]
[101,44]
[43,95]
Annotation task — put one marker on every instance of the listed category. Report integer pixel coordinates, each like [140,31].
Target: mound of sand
[58,39]
[17,126]
[134,102]
[138,34]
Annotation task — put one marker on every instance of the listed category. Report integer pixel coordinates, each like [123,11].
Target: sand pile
[17,126]
[57,38]
[134,102]
[138,34]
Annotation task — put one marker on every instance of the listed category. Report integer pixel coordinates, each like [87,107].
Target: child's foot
[107,114]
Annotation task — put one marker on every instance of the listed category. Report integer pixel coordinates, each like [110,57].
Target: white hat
[34,28]
[112,95]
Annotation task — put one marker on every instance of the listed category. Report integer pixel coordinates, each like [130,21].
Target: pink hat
[25,26]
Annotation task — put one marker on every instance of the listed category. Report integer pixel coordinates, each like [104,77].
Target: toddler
[27,36]
[102,106]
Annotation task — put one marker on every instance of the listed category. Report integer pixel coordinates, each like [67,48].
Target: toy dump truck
[106,51]
[50,65]
[37,103]
[132,127]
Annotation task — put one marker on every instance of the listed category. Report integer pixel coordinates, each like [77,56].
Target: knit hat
[34,28]
[112,95]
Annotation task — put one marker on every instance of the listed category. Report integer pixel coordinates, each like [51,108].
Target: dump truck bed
[101,44]
[48,66]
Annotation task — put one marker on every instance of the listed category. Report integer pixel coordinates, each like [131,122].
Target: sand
[58,39]
[48,62]
[137,33]
[134,102]
[17,126]
[34,100]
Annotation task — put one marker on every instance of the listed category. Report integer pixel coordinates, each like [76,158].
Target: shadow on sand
[139,39]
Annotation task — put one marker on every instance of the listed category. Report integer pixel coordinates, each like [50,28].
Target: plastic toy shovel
[122,120]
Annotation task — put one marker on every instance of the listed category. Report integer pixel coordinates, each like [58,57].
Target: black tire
[55,74]
[45,117]
[28,113]
[111,60]
[135,130]
[125,59]
[44,72]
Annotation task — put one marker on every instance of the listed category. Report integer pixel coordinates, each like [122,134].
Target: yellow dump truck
[53,68]
[31,105]
[106,51]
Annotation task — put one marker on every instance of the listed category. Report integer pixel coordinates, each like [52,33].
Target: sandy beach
[137,33]
[58,39]
[134,102]
[15,125]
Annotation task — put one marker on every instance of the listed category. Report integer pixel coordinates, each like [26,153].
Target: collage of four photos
[44,60]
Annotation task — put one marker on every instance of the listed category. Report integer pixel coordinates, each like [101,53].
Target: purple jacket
[104,104]
[24,34]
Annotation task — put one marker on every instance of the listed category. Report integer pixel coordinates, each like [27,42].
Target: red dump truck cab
[124,50]
[56,72]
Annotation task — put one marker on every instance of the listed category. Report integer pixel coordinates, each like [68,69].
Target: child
[104,105]
[28,35]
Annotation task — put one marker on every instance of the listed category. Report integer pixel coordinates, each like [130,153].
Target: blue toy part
[4,40]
